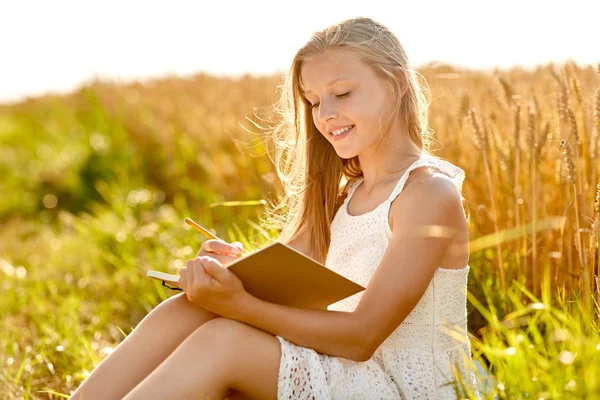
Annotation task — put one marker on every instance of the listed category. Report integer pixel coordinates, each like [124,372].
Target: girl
[355,117]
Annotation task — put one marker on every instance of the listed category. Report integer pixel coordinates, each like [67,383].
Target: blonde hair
[310,170]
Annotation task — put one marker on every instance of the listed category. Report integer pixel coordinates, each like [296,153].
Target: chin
[346,155]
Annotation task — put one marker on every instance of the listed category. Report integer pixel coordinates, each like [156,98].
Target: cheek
[371,114]
[371,110]
[363,115]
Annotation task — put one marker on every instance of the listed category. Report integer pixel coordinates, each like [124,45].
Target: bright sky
[57,45]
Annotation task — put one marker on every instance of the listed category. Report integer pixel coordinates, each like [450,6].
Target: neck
[387,164]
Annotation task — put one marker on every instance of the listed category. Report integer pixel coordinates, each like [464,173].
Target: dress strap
[455,173]
[352,187]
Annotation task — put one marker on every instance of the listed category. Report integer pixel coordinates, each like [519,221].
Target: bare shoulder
[427,190]
[427,181]
[431,198]
[425,173]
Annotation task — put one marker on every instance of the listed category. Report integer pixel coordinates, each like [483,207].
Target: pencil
[200,229]
[204,231]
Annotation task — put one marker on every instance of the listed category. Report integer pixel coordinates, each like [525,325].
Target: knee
[220,334]
[218,328]
[171,306]
[178,310]
[174,303]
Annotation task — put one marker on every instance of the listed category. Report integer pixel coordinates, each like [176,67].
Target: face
[344,92]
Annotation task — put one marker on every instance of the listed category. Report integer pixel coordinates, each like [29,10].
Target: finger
[224,259]
[217,246]
[215,269]
[191,273]
[210,260]
[182,280]
[201,276]
[204,249]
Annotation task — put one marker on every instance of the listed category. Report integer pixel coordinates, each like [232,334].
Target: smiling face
[344,92]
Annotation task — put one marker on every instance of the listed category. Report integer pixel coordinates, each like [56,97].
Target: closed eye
[339,96]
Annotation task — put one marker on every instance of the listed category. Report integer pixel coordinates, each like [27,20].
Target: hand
[208,284]
[224,252]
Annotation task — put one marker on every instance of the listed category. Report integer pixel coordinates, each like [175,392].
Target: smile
[342,133]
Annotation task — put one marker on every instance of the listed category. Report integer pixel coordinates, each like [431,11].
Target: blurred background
[120,119]
[59,46]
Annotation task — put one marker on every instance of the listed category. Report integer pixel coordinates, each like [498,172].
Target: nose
[326,111]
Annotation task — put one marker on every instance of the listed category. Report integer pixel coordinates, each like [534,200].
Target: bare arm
[399,282]
[335,333]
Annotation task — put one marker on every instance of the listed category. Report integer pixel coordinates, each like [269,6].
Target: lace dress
[415,361]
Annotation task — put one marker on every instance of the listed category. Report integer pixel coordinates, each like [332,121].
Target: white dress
[414,362]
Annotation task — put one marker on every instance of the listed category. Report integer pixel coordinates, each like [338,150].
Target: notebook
[280,274]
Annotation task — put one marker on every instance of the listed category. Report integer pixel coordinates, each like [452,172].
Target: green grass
[95,187]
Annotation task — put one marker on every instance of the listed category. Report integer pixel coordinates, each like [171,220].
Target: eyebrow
[343,78]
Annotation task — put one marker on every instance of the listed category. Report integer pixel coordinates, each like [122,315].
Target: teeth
[342,130]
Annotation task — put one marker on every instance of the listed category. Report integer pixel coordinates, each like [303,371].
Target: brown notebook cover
[280,274]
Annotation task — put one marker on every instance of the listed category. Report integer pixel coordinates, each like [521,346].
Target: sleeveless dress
[416,360]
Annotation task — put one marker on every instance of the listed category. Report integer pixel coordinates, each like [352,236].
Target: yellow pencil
[204,231]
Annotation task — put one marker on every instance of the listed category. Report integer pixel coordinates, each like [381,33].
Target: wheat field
[95,186]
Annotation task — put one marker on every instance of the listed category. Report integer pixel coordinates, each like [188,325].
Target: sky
[56,46]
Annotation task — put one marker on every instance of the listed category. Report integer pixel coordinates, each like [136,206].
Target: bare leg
[220,355]
[150,343]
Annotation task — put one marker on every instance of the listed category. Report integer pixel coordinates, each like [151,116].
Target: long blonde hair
[313,176]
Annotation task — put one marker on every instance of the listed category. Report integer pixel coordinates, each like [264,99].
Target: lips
[342,135]
[340,127]
[332,129]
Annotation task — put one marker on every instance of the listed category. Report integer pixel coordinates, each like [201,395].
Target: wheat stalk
[483,149]
[543,138]
[577,142]
[507,90]
[563,103]
[502,151]
[595,138]
[577,89]
[463,110]
[572,176]
[596,226]
[596,134]
[560,175]
[517,183]
[559,79]
[477,134]
[595,241]
[533,209]
[568,161]
[597,201]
